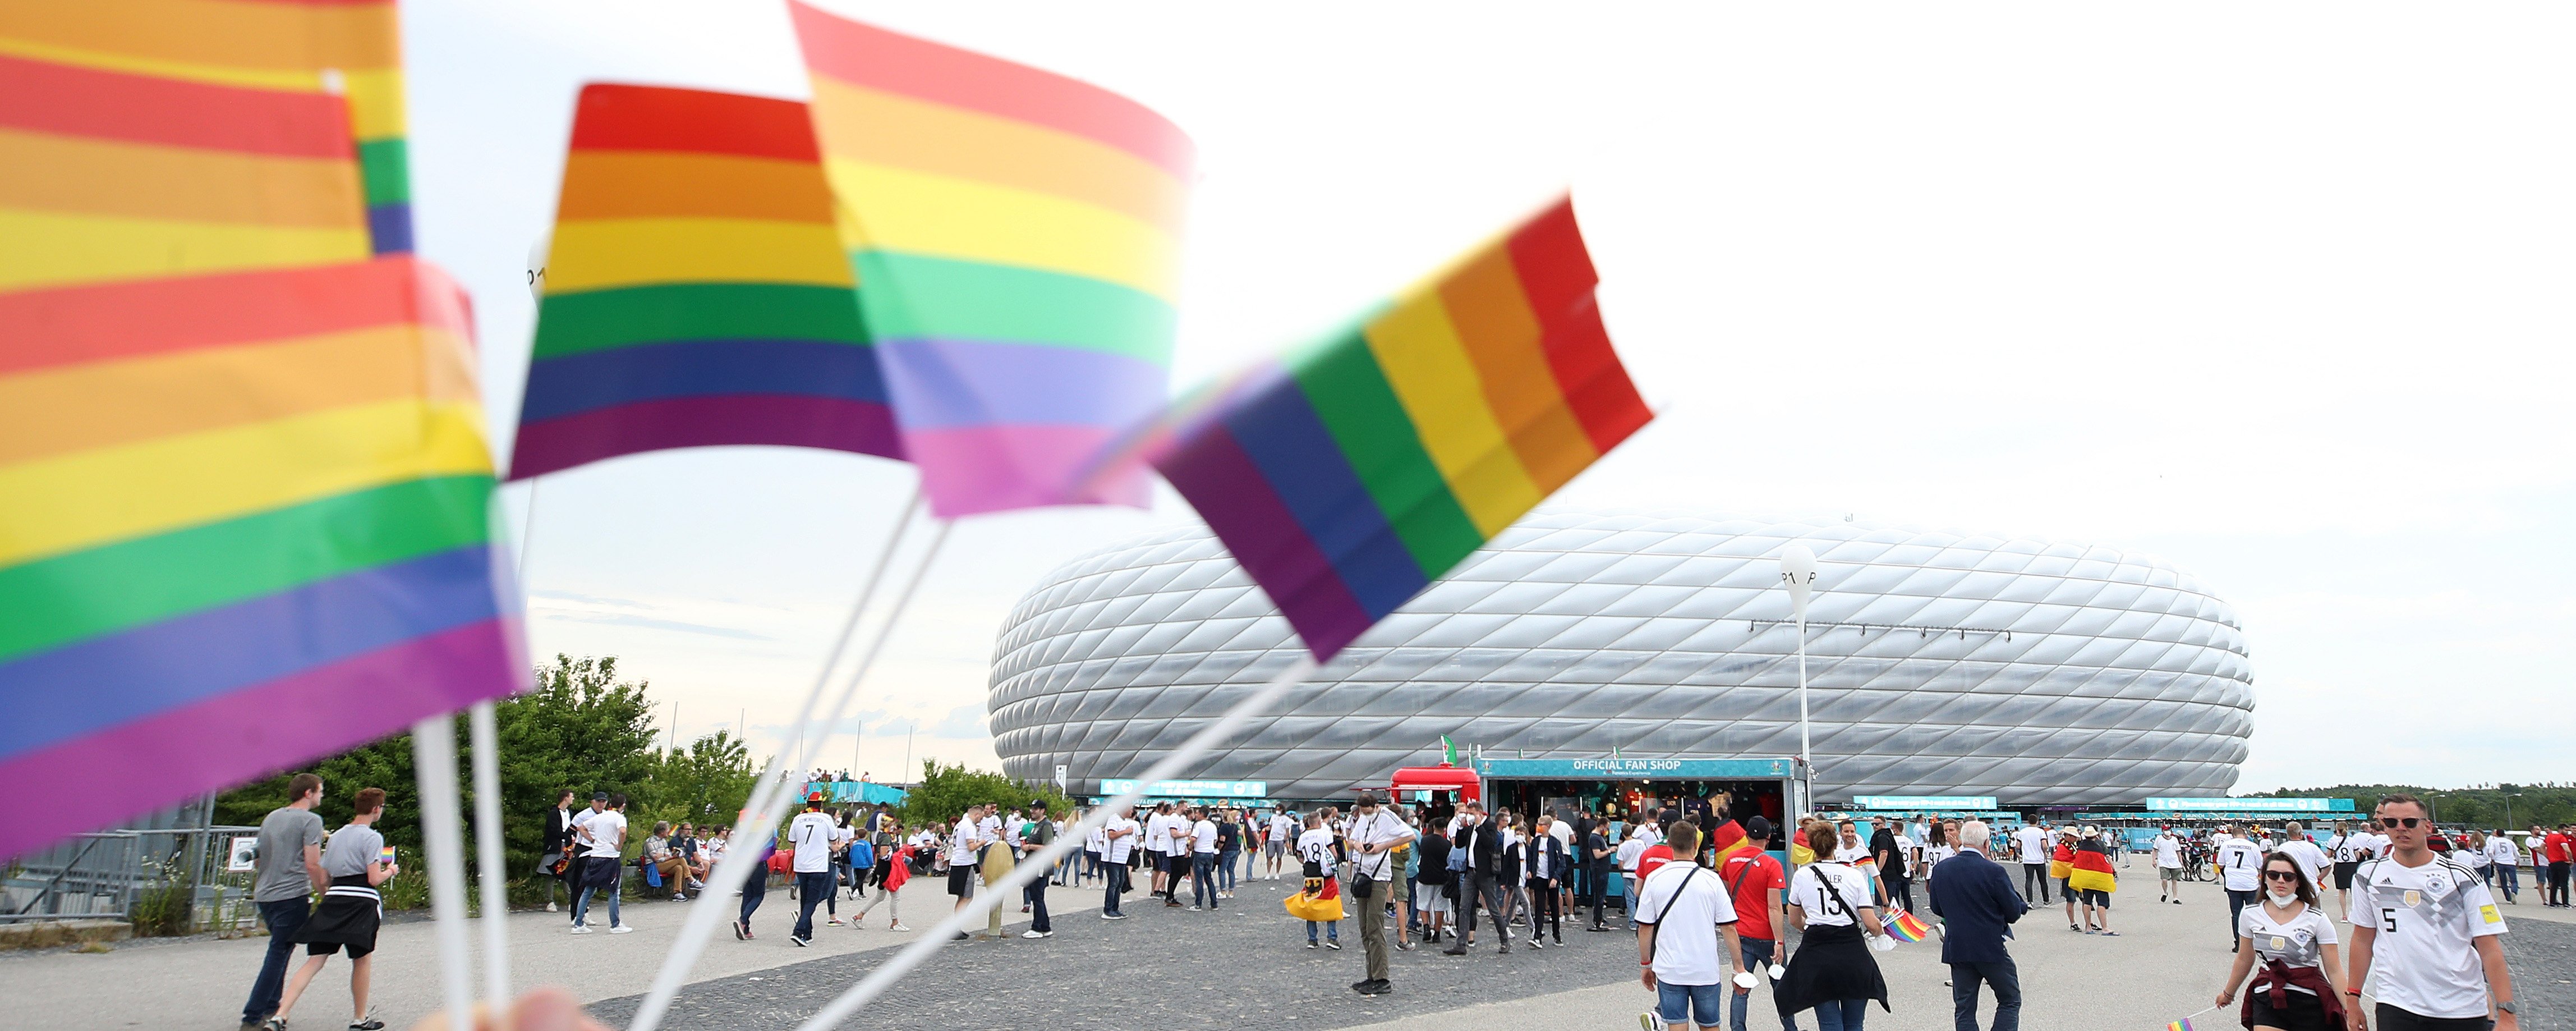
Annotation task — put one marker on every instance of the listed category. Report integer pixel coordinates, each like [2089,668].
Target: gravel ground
[2542,956]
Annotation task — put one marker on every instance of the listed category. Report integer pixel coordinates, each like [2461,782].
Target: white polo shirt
[1119,848]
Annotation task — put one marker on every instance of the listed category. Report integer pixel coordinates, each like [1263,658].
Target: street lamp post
[1798,573]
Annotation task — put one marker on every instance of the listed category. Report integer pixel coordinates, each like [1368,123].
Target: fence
[180,879]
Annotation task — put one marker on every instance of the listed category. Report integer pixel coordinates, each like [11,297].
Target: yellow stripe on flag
[948,217]
[1423,360]
[602,253]
[50,249]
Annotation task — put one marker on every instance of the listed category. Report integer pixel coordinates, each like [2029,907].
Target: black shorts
[961,880]
[2393,1019]
[2300,1012]
[2343,875]
[2092,897]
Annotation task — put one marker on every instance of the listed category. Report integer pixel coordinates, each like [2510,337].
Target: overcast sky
[2277,292]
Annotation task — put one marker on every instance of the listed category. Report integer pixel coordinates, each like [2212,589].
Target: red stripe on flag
[45,328]
[619,117]
[47,97]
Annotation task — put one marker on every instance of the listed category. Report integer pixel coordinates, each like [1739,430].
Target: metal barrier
[104,875]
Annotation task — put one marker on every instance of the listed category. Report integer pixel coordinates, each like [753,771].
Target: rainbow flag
[2184,1024]
[696,293]
[1367,464]
[178,201]
[1016,235]
[1904,926]
[247,524]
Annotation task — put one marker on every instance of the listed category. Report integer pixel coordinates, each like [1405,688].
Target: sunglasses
[2291,876]
[2395,822]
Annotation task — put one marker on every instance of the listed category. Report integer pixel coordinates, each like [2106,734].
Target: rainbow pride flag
[696,293]
[1370,462]
[1904,926]
[247,524]
[176,198]
[2184,1024]
[1016,235]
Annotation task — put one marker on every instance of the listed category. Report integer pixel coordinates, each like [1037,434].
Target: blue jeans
[1225,868]
[283,917]
[754,889]
[598,873]
[812,889]
[1114,877]
[1332,930]
[1677,1001]
[2510,878]
[1841,1015]
[1203,878]
[2006,980]
[1754,956]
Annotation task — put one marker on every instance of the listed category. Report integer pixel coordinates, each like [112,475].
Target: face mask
[2284,898]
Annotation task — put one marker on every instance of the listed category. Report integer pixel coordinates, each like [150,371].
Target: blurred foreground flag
[696,293]
[160,137]
[1365,465]
[246,525]
[1016,235]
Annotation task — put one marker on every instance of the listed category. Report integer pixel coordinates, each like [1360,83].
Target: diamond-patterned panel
[2086,675]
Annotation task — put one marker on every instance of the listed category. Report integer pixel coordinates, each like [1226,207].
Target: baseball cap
[1758,827]
[599,796]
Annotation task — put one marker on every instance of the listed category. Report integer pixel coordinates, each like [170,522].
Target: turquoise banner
[858,791]
[1633,769]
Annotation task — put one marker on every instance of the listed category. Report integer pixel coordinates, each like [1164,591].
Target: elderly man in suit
[1977,905]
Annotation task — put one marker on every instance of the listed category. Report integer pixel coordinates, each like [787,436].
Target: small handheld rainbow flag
[1906,927]
[2180,1025]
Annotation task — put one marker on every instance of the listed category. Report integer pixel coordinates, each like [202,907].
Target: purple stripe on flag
[82,688]
[951,384]
[786,420]
[145,764]
[1227,488]
[977,469]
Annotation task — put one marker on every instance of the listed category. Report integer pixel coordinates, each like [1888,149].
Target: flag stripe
[176,662]
[113,494]
[1369,424]
[1423,360]
[78,175]
[1287,442]
[264,35]
[1596,386]
[385,166]
[49,250]
[901,132]
[627,316]
[951,217]
[655,118]
[55,98]
[1239,504]
[605,253]
[958,383]
[921,297]
[615,184]
[50,602]
[1002,467]
[864,55]
[1500,334]
[239,736]
[577,383]
[103,404]
[778,419]
[110,321]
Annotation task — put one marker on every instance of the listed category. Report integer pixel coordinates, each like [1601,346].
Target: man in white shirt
[2030,847]
[1682,912]
[1374,836]
[2295,844]
[2168,867]
[2506,856]
[1282,833]
[2240,872]
[811,835]
[965,853]
[603,844]
[2428,928]
[1117,841]
[1202,841]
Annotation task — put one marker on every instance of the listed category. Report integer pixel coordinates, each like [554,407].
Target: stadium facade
[2039,672]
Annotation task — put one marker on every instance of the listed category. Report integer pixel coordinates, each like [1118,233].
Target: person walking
[1117,844]
[755,887]
[1755,884]
[1035,836]
[2168,851]
[1598,854]
[2030,845]
[555,860]
[579,846]
[1229,848]
[2296,988]
[2240,865]
[1374,838]
[1975,900]
[288,864]
[357,861]
[1514,898]
[2507,860]
[1682,913]
[2558,847]
[2430,929]
[1315,850]
[1433,875]
[1544,864]
[1482,845]
[2295,844]
[1889,848]
[603,845]
[1832,972]
[894,871]
[1202,845]
[812,837]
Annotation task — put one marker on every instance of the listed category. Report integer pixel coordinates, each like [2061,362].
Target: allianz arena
[2041,673]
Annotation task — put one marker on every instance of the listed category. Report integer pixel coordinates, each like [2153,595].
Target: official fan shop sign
[1924,801]
[1192,788]
[2250,805]
[1624,769]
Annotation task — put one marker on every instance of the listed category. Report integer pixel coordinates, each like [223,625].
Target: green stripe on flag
[384,166]
[915,297]
[67,598]
[597,320]
[1341,379]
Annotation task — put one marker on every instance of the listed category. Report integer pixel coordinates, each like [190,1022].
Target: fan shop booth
[1706,791]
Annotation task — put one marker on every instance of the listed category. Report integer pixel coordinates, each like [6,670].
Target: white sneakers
[621,929]
[579,929]
[1037,934]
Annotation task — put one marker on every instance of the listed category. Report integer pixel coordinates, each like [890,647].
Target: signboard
[1192,788]
[245,855]
[1980,802]
[2249,805]
[1629,769]
[1060,788]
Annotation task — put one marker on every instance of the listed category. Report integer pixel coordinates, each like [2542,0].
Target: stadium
[2041,673]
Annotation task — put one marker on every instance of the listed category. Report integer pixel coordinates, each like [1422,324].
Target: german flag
[2093,871]
[1729,841]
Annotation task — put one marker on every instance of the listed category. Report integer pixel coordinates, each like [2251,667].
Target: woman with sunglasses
[2295,988]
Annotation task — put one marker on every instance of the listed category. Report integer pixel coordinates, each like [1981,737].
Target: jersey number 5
[2387,920]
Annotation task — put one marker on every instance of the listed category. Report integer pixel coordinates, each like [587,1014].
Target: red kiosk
[1457,783]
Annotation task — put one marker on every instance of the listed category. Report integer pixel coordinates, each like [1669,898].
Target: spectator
[1977,905]
[665,861]
[2296,945]
[1433,877]
[1035,836]
[602,839]
[1681,911]
[1374,836]
[1832,972]
[812,836]
[555,860]
[1481,843]
[1754,883]
[288,865]
[2432,931]
[356,861]
[577,861]
[755,885]
[693,856]
[1544,863]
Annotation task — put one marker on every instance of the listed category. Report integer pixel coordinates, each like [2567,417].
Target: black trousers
[1595,877]
[2003,976]
[2034,873]
[1543,908]
[1901,891]
[1476,887]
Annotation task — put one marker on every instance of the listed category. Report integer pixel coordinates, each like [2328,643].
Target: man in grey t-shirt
[288,868]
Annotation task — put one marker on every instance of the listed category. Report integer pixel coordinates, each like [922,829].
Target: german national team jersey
[2240,861]
[2426,917]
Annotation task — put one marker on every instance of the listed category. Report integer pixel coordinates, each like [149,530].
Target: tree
[947,791]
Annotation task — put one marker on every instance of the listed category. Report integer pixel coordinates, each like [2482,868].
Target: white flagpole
[1167,768]
[760,817]
[486,739]
[433,759]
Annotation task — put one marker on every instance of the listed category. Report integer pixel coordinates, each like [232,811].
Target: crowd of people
[2417,906]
